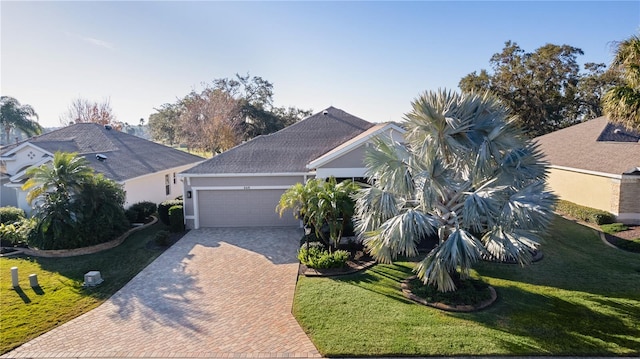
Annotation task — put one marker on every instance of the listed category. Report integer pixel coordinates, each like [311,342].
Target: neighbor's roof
[290,149]
[128,156]
[594,145]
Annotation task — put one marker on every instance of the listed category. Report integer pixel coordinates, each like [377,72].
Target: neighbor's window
[167,185]
[174,178]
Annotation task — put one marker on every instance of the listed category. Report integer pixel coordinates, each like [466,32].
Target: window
[167,185]
[174,178]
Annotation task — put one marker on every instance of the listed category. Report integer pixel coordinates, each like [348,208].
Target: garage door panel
[242,208]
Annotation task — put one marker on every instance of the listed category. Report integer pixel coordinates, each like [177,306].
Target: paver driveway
[216,293]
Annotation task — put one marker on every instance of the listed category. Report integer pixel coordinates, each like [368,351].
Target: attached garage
[233,207]
[242,186]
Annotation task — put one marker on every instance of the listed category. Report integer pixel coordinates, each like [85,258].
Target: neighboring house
[147,170]
[596,164]
[242,186]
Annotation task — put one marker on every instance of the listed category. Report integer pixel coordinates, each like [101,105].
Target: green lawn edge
[27,312]
[582,299]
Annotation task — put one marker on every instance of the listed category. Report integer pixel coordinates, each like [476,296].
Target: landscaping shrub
[162,238]
[163,210]
[176,218]
[10,214]
[142,211]
[16,233]
[315,256]
[613,228]
[584,213]
[131,214]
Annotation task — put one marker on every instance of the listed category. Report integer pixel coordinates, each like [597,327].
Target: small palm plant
[465,173]
[319,203]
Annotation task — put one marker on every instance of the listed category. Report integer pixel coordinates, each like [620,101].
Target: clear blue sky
[368,58]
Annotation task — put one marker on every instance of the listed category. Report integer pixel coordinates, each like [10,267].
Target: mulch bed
[359,261]
[632,233]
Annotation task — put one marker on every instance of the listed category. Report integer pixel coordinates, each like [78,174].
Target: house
[596,164]
[242,186]
[147,170]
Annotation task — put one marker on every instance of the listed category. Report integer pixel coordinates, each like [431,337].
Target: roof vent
[325,112]
[100,157]
[108,127]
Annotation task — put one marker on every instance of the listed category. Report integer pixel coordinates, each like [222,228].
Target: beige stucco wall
[152,187]
[585,189]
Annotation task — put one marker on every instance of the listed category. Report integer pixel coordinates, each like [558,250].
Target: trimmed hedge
[176,218]
[584,213]
[142,211]
[163,210]
[11,214]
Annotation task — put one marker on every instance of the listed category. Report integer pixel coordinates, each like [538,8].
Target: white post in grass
[14,277]
[33,281]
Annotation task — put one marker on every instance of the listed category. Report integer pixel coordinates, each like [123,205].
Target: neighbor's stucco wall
[629,200]
[7,194]
[585,189]
[152,187]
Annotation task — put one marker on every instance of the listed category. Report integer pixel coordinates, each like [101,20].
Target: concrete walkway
[217,293]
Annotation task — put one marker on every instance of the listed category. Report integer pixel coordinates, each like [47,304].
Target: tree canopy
[15,116]
[622,103]
[544,88]
[466,175]
[226,112]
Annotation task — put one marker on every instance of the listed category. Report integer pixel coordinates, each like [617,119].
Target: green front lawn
[26,312]
[583,298]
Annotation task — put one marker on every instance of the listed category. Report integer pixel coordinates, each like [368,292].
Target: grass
[613,228]
[27,312]
[583,298]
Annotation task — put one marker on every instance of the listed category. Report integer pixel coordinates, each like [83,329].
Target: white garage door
[242,208]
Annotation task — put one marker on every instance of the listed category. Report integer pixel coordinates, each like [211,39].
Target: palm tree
[13,115]
[64,176]
[621,104]
[321,203]
[467,174]
[56,187]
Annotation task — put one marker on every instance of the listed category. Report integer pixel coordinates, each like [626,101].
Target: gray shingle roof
[128,156]
[290,149]
[591,145]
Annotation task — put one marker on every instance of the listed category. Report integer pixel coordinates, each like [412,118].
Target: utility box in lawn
[93,278]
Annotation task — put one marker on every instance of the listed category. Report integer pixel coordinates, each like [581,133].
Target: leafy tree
[622,103]
[164,124]
[224,113]
[466,173]
[321,204]
[14,115]
[210,120]
[592,87]
[82,110]
[542,88]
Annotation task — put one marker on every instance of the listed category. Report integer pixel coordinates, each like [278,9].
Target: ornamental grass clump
[465,172]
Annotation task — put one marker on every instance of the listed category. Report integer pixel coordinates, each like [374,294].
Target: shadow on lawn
[550,325]
[381,279]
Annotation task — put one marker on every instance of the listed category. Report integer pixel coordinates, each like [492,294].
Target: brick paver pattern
[216,293]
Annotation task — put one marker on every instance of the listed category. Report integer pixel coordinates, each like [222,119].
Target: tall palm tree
[467,174]
[13,115]
[621,104]
[64,176]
